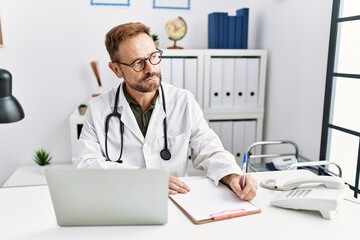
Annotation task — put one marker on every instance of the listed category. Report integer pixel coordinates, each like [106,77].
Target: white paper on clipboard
[206,200]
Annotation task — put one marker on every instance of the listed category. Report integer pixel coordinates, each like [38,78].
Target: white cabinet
[234,96]
[185,69]
[229,86]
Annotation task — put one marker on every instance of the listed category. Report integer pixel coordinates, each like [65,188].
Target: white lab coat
[186,128]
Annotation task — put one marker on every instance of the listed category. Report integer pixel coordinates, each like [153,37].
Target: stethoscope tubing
[164,153]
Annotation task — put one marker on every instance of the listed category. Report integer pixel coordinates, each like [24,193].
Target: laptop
[108,197]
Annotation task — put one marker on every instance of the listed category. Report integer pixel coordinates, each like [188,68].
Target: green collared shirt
[142,117]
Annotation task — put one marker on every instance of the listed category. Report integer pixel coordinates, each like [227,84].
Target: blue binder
[217,35]
[223,34]
[231,31]
[213,22]
[242,27]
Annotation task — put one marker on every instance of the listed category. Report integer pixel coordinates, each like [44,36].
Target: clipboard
[207,202]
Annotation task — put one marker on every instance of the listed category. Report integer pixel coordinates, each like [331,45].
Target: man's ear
[115,68]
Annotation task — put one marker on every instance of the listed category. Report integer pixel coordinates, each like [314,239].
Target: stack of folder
[228,32]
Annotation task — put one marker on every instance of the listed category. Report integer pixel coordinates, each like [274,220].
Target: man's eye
[137,63]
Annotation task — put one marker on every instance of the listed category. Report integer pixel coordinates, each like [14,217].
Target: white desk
[27,213]
[30,175]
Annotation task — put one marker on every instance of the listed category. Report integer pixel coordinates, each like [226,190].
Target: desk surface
[27,213]
[30,175]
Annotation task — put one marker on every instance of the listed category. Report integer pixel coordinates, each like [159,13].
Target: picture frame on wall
[172,4]
[123,3]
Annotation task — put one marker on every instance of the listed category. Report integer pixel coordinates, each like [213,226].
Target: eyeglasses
[139,64]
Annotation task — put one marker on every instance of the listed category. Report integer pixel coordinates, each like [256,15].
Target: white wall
[48,46]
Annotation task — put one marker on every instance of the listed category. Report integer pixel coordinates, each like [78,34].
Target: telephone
[280,163]
[319,193]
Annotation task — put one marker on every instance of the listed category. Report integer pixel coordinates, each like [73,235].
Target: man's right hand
[177,186]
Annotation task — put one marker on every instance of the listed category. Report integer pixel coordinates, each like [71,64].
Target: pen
[244,170]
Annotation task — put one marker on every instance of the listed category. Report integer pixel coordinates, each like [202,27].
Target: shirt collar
[132,101]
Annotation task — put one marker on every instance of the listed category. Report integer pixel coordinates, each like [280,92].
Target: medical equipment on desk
[165,153]
[280,159]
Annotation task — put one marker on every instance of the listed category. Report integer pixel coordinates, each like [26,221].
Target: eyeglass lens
[140,64]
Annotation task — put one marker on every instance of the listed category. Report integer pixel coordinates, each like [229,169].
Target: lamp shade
[10,108]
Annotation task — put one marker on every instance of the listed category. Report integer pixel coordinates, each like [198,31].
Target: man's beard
[140,86]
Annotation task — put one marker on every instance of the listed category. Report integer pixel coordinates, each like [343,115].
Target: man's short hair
[120,33]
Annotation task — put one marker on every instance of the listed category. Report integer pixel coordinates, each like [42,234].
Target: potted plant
[42,158]
[82,109]
[155,38]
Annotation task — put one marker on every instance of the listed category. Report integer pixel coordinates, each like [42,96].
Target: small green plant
[42,157]
[82,105]
[82,109]
[155,37]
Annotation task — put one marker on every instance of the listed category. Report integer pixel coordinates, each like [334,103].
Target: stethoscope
[165,153]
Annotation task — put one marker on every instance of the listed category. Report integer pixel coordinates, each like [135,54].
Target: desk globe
[176,30]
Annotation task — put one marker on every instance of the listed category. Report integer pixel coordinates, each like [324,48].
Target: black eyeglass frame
[142,61]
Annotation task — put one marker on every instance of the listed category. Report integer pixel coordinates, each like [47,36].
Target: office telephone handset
[320,193]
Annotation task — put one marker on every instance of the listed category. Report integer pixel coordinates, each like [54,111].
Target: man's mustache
[149,75]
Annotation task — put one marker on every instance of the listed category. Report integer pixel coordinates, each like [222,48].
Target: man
[144,121]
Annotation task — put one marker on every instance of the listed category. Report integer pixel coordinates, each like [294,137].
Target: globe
[176,30]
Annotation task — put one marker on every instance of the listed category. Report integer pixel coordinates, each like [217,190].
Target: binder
[226,134]
[166,70]
[213,30]
[215,125]
[215,82]
[250,133]
[253,68]
[190,72]
[207,202]
[244,13]
[223,33]
[231,31]
[177,72]
[240,79]
[239,20]
[238,141]
[227,92]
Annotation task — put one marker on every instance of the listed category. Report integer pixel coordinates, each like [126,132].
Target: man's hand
[176,186]
[234,181]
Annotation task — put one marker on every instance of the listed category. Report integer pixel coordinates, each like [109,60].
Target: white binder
[191,75]
[215,126]
[228,70]
[240,79]
[165,66]
[238,140]
[226,134]
[253,65]
[250,133]
[215,82]
[177,72]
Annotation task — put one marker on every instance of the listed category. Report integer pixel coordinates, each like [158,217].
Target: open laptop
[99,197]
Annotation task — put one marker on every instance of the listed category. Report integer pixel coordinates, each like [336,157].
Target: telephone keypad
[298,193]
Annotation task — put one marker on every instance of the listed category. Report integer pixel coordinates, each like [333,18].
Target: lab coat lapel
[127,116]
[156,122]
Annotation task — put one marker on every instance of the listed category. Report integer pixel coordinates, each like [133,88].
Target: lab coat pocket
[178,146]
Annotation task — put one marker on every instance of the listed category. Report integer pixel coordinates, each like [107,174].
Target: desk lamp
[10,108]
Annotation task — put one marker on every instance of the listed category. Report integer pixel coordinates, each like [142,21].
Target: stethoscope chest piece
[165,154]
